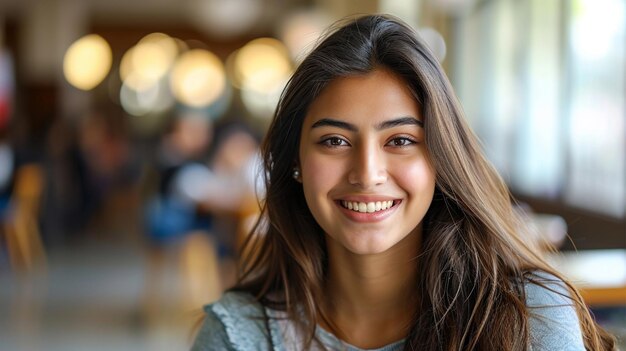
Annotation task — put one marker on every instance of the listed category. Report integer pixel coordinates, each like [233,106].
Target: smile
[367,207]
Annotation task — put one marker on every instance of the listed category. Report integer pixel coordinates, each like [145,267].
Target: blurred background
[129,134]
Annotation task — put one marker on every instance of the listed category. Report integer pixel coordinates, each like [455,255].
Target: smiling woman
[384,227]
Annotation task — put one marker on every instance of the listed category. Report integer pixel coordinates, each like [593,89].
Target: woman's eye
[401,141]
[334,142]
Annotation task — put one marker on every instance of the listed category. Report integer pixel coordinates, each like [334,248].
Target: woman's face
[364,166]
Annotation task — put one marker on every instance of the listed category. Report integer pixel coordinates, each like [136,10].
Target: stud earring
[296,174]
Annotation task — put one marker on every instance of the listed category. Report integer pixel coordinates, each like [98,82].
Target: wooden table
[599,274]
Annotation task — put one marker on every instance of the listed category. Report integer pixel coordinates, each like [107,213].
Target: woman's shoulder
[553,316]
[236,321]
[236,304]
[543,288]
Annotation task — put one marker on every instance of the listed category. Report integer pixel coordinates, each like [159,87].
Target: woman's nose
[368,167]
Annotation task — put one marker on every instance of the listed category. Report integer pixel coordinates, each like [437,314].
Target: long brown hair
[475,259]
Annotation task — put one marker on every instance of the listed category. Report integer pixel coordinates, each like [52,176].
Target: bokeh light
[263,57]
[198,78]
[146,63]
[87,62]
[262,103]
[154,99]
[261,69]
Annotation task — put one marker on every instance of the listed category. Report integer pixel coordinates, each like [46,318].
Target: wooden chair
[24,244]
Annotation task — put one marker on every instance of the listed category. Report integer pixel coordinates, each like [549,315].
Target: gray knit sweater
[237,322]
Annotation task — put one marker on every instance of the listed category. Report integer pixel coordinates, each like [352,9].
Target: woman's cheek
[317,171]
[415,176]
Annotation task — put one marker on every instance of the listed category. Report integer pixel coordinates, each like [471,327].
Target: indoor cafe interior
[130,134]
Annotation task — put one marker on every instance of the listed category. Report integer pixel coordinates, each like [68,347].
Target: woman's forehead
[375,97]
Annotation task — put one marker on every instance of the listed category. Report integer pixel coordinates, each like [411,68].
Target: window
[542,83]
[596,129]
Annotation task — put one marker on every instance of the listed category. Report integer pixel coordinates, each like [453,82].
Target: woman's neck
[371,298]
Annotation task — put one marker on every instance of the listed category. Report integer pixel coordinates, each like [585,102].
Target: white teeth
[367,207]
[362,207]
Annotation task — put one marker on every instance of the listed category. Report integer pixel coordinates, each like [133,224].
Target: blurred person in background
[7,157]
[200,206]
[235,163]
[107,168]
[7,167]
[384,226]
[174,223]
[65,212]
[182,150]
[92,173]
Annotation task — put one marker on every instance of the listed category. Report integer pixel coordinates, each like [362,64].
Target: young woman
[384,227]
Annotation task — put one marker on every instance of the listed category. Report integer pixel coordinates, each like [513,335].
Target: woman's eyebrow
[408,120]
[329,122]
